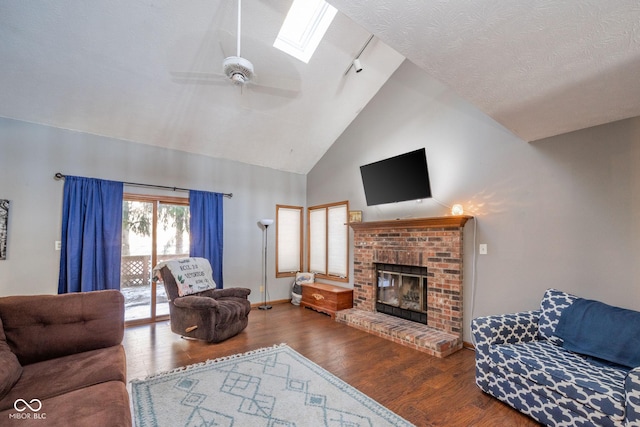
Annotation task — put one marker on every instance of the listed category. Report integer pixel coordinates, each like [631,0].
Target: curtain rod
[59,176]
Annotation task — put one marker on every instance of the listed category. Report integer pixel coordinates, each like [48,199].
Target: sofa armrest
[195,302]
[632,397]
[42,327]
[500,329]
[505,328]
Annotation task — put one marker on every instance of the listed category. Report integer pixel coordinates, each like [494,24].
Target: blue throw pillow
[595,329]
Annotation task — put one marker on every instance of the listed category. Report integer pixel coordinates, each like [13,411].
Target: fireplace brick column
[435,243]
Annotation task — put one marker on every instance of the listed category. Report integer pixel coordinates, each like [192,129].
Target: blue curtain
[206,229]
[91,235]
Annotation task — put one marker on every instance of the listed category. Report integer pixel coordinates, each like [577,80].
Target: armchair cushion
[229,292]
[231,309]
[196,302]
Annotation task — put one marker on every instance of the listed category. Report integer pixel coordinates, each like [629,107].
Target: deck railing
[135,270]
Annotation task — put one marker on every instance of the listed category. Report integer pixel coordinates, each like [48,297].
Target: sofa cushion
[100,405]
[552,305]
[54,377]
[48,326]
[585,381]
[10,368]
[600,330]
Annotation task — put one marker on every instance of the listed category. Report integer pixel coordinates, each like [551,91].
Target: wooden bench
[326,298]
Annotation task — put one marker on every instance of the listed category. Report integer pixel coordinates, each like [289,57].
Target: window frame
[327,245]
[279,224]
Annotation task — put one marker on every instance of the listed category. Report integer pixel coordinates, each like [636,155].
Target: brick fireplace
[434,243]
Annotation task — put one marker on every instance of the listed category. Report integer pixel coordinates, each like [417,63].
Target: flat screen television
[397,179]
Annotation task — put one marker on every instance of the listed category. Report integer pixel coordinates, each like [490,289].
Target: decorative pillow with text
[192,275]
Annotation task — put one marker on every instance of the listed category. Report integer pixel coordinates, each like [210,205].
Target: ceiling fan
[238,69]
[240,72]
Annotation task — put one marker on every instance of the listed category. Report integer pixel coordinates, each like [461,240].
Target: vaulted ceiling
[145,70]
[540,68]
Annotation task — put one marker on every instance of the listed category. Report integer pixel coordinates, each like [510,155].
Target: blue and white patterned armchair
[520,361]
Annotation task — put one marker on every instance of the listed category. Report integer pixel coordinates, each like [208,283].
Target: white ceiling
[109,68]
[538,67]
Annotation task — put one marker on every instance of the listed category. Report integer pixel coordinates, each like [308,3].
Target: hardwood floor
[424,390]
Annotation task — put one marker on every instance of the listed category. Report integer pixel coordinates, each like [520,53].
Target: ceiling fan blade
[282,84]
[266,90]
[186,77]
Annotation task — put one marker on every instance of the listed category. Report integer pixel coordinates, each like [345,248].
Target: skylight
[303,28]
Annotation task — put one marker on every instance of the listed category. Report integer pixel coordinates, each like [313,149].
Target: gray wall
[560,213]
[31,154]
[555,213]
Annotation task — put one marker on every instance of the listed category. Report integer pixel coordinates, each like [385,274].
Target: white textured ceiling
[538,67]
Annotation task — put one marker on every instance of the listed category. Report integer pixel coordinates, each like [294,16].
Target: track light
[357,65]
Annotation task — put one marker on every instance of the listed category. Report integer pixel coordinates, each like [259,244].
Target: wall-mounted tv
[397,179]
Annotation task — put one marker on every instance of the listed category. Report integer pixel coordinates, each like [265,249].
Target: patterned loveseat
[529,361]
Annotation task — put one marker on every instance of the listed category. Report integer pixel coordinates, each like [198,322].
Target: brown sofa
[62,362]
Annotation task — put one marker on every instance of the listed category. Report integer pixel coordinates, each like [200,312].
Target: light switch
[483,249]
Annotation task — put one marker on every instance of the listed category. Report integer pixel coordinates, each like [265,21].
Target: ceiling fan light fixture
[238,79]
[238,70]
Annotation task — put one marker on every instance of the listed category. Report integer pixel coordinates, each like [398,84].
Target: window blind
[337,236]
[289,238]
[328,241]
[318,241]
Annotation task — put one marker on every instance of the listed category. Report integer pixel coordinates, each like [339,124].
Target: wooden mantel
[433,222]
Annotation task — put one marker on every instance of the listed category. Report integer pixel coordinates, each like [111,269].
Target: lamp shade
[457,209]
[266,222]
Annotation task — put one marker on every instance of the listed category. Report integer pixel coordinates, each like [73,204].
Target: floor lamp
[265,223]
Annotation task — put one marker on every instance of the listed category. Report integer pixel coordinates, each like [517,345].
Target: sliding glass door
[154,229]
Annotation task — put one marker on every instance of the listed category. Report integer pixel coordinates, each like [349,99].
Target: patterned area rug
[274,386]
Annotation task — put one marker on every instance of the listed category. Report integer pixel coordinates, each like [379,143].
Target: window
[328,242]
[288,240]
[304,27]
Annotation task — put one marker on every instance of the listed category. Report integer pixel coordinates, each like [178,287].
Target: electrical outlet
[58,245]
[483,249]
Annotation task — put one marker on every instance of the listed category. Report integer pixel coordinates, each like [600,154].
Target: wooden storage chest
[326,298]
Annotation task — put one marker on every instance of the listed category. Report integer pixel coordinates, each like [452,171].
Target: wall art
[4,226]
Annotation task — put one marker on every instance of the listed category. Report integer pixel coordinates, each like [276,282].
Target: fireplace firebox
[402,291]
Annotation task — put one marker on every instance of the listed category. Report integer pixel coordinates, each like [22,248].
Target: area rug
[274,386]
